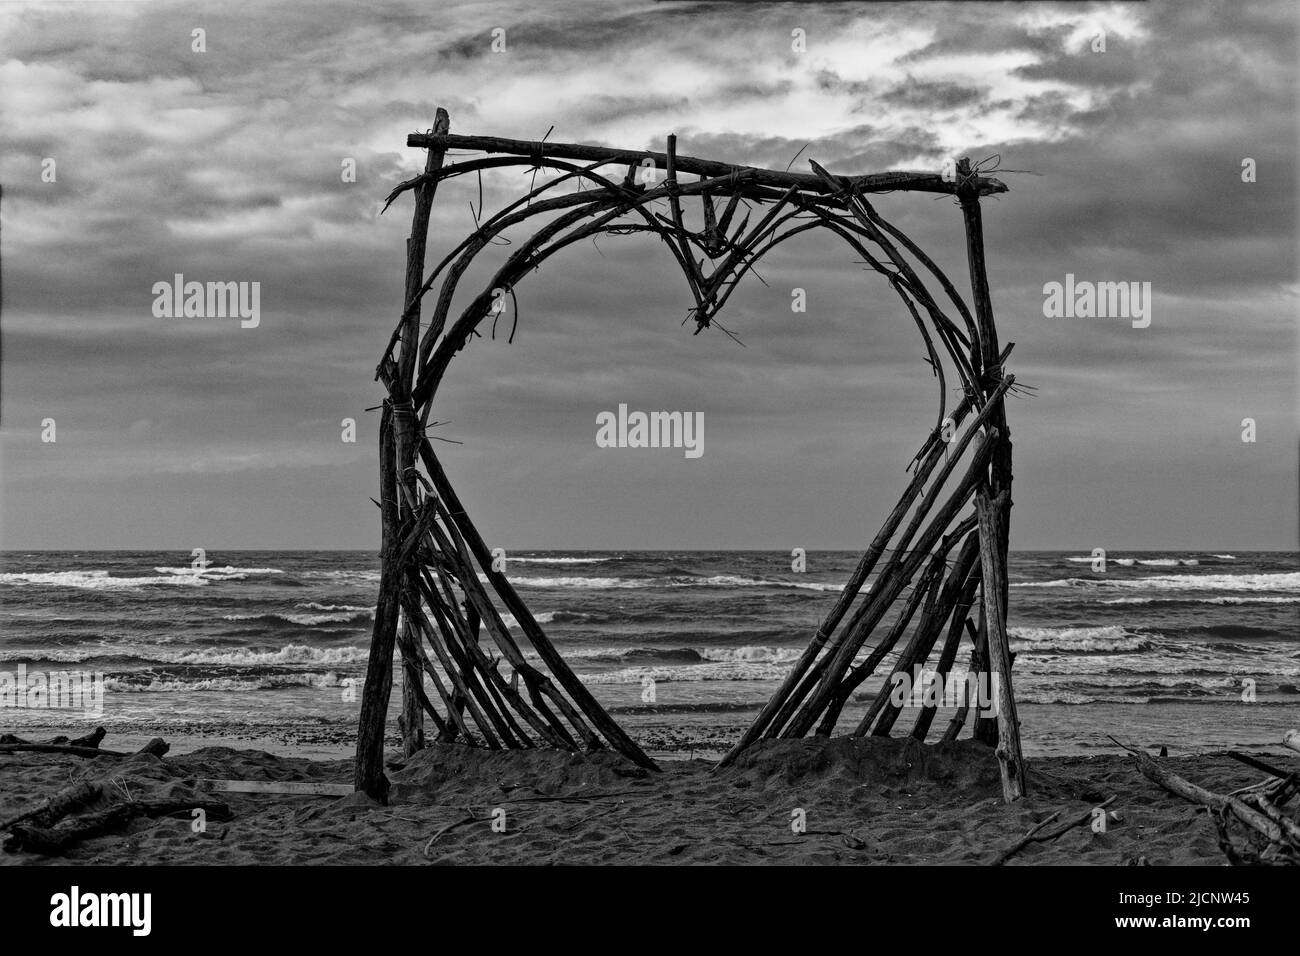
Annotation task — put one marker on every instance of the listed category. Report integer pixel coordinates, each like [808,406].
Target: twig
[1041,835]
[446,829]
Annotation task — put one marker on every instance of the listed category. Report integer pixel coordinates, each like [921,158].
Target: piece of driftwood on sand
[53,840]
[1276,837]
[1043,832]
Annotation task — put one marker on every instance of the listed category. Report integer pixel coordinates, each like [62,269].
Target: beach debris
[55,840]
[35,830]
[1282,784]
[1040,833]
[58,805]
[447,829]
[92,739]
[61,749]
[298,788]
[1273,838]
[441,587]
[87,746]
[157,747]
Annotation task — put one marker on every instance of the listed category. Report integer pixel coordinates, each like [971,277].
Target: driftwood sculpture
[431,597]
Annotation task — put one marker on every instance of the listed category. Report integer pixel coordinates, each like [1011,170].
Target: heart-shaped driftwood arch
[940,564]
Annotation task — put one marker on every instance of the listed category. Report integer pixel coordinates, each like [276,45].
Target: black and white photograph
[636,433]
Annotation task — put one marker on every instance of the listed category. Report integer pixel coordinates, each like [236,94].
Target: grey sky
[225,165]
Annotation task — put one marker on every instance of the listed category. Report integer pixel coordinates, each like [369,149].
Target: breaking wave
[1077,640]
[1288,581]
[359,616]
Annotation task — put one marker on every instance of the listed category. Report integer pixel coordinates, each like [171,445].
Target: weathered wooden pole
[978,652]
[985,728]
[1010,761]
[993,503]
[369,771]
[872,182]
[968,195]
[404,431]
[399,492]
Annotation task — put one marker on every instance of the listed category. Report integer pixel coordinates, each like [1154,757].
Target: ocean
[1194,650]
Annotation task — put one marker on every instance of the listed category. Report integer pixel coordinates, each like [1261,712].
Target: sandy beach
[868,801]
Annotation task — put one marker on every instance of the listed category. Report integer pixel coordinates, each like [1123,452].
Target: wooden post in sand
[994,504]
[1010,761]
[404,432]
[397,458]
[369,772]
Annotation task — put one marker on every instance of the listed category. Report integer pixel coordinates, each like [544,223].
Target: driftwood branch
[59,805]
[58,839]
[874,182]
[157,747]
[1041,833]
[1255,811]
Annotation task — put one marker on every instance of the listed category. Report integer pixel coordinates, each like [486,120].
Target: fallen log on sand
[91,739]
[1252,809]
[157,747]
[55,840]
[67,749]
[35,829]
[65,801]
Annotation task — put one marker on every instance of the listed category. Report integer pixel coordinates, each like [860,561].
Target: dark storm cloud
[938,95]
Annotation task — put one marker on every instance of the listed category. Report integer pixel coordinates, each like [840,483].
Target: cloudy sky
[226,165]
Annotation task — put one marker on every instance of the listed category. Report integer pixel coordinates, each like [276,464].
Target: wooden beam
[298,788]
[902,181]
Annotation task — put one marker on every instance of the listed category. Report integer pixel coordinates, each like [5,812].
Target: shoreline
[1048,730]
